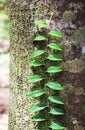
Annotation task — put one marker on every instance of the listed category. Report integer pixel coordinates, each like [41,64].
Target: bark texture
[68,18]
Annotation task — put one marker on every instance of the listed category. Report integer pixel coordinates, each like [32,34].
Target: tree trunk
[69,19]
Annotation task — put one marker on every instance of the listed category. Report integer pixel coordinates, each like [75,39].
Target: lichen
[73,65]
[79,91]
[78,127]
[68,16]
[79,36]
[67,46]
[68,88]
[76,6]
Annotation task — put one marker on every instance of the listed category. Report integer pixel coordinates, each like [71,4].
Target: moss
[20,70]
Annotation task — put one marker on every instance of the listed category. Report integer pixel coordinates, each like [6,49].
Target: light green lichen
[79,91]
[74,65]
[68,88]
[78,5]
[79,36]
[78,127]
[68,16]
[67,47]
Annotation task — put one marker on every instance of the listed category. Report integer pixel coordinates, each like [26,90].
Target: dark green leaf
[35,78]
[54,86]
[36,93]
[56,34]
[54,57]
[38,107]
[42,24]
[56,126]
[37,53]
[40,38]
[54,69]
[57,111]
[56,100]
[38,118]
[55,46]
[36,63]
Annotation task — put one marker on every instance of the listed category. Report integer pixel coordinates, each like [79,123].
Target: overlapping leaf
[56,126]
[54,57]
[56,34]
[36,63]
[38,107]
[40,38]
[57,111]
[38,118]
[55,46]
[37,53]
[54,86]
[36,93]
[35,78]
[56,100]
[54,69]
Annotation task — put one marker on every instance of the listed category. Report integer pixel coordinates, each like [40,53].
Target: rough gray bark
[68,18]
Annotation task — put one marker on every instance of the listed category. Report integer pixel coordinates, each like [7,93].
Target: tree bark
[69,19]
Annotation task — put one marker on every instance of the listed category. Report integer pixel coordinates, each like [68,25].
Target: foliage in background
[4,22]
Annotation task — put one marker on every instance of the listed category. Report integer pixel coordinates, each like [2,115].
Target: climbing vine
[45,62]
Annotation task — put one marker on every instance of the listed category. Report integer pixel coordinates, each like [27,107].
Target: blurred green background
[4,65]
[4,22]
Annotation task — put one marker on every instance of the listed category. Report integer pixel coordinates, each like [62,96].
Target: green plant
[38,60]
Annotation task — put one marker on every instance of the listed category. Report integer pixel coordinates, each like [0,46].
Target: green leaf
[36,93]
[37,53]
[38,107]
[55,46]
[56,126]
[54,69]
[56,100]
[40,38]
[38,118]
[36,63]
[35,78]
[42,24]
[54,57]
[57,111]
[56,34]
[54,86]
